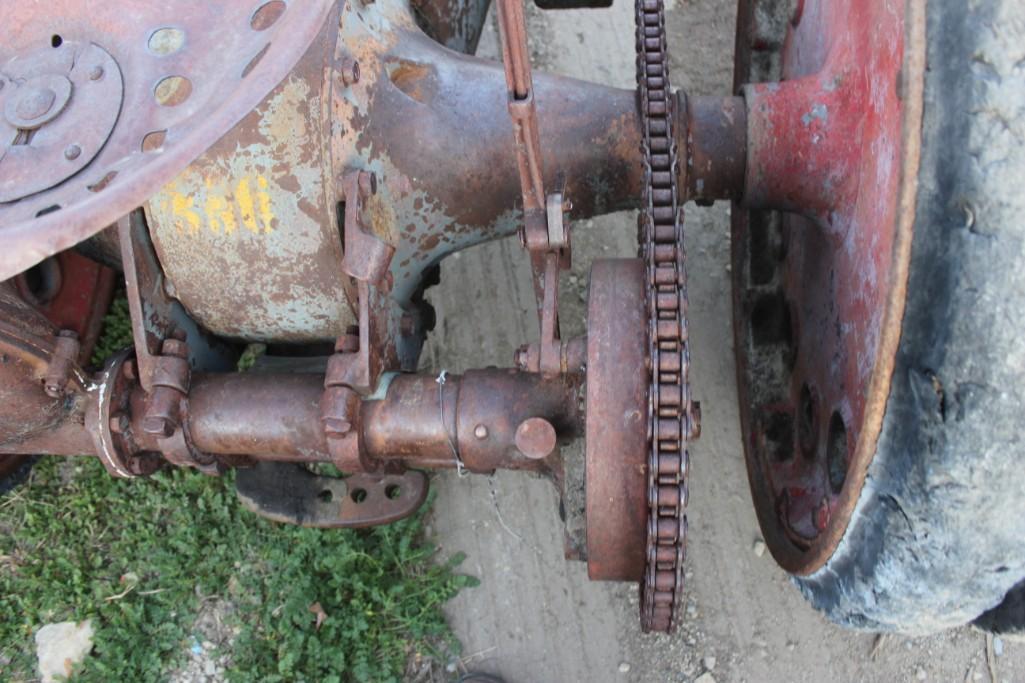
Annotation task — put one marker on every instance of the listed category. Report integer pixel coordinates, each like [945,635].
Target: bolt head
[35,102]
[536,438]
[157,426]
[481,432]
[72,152]
[96,73]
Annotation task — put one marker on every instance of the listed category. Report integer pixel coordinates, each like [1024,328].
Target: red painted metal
[830,143]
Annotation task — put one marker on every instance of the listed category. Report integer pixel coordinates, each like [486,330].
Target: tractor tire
[936,537]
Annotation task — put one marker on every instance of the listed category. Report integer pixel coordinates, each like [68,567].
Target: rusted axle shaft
[484,420]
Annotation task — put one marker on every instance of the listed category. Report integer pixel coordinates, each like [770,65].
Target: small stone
[209,668]
[705,678]
[920,674]
[708,662]
[976,675]
[451,667]
[758,547]
[791,645]
[998,647]
[624,667]
[60,646]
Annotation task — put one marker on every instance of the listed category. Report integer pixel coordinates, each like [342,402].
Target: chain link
[671,420]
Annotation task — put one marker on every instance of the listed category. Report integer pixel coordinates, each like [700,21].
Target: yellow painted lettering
[245,205]
[184,214]
[218,212]
[263,199]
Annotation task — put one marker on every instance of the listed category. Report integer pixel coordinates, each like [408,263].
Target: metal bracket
[289,493]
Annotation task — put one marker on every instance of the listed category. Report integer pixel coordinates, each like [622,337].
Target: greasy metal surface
[229,66]
[292,494]
[616,439]
[818,298]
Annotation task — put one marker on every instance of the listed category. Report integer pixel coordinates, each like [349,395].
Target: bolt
[158,426]
[35,103]
[367,183]
[96,73]
[72,152]
[128,369]
[349,72]
[481,432]
[535,438]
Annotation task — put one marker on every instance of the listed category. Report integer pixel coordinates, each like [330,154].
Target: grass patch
[75,539]
[141,558]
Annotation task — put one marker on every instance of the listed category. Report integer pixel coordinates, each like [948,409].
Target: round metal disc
[190,70]
[616,442]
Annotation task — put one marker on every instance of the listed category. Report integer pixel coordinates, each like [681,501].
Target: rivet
[481,432]
[96,73]
[71,152]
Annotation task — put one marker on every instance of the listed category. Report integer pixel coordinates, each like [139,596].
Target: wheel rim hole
[166,41]
[326,496]
[393,491]
[770,321]
[807,420]
[779,436]
[154,142]
[358,495]
[267,15]
[172,91]
[836,453]
[56,40]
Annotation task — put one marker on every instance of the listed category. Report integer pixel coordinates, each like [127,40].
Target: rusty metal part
[27,344]
[108,421]
[473,417]
[47,134]
[456,24]
[572,358]
[616,443]
[712,132]
[671,418]
[169,385]
[154,315]
[62,360]
[535,438]
[413,104]
[836,141]
[291,494]
[190,92]
[366,257]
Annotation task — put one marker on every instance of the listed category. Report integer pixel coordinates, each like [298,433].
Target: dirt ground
[535,616]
